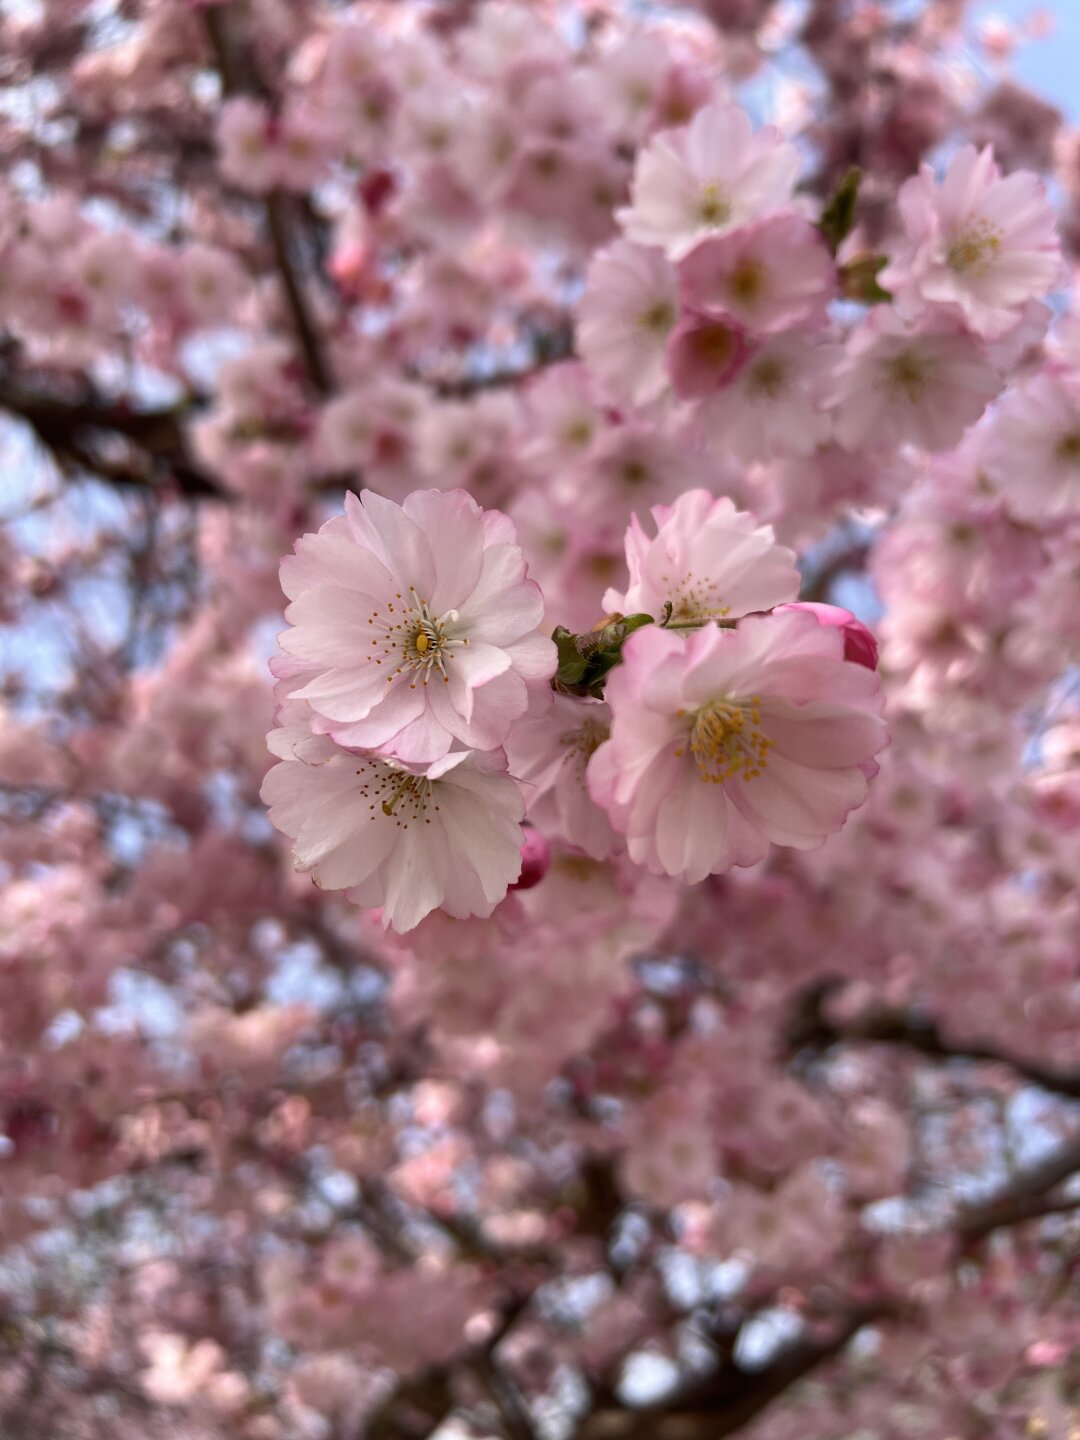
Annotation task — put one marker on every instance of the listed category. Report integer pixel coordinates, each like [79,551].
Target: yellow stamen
[726,740]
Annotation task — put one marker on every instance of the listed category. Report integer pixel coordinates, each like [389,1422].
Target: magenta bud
[535,859]
[860,643]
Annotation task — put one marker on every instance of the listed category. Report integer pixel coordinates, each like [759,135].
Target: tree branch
[811,1029]
[238,78]
[729,1398]
[75,430]
[1027,1197]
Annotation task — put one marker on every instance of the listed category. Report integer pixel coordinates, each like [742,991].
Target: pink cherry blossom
[706,179]
[1031,448]
[408,839]
[705,355]
[920,386]
[977,242]
[415,625]
[859,642]
[727,741]
[245,136]
[767,276]
[778,403]
[708,561]
[549,755]
[625,317]
[613,1154]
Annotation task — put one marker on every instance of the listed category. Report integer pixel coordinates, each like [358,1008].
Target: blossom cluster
[417,724]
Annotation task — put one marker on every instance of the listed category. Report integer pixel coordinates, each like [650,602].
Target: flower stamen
[726,740]
[414,640]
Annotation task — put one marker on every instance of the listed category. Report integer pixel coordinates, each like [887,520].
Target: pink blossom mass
[539,720]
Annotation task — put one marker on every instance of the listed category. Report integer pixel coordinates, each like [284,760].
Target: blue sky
[1050,66]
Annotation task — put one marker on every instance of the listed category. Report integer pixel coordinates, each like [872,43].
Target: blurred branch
[76,432]
[238,78]
[817,588]
[811,1029]
[723,1402]
[421,1403]
[1029,1196]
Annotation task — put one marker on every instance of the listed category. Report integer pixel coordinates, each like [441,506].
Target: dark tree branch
[238,78]
[515,1414]
[75,431]
[818,587]
[723,1402]
[1029,1196]
[812,1030]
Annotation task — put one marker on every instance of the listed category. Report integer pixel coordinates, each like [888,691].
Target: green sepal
[585,660]
[838,218]
[859,279]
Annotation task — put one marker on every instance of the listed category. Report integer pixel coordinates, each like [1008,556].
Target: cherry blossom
[415,625]
[921,386]
[682,1103]
[1031,449]
[707,178]
[769,713]
[625,319]
[977,242]
[402,838]
[707,561]
[769,276]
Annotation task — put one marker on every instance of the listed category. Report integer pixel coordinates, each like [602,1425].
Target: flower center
[582,743]
[768,376]
[693,599]
[714,207]
[726,740]
[713,345]
[908,371]
[395,792]
[1068,448]
[659,317]
[975,249]
[413,640]
[748,281]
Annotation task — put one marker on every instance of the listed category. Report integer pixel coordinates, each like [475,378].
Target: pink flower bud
[535,859]
[860,643]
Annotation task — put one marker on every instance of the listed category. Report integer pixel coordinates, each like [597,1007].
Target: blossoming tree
[586,946]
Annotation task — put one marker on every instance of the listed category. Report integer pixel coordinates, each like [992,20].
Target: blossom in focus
[707,178]
[406,838]
[727,741]
[708,561]
[977,241]
[415,625]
